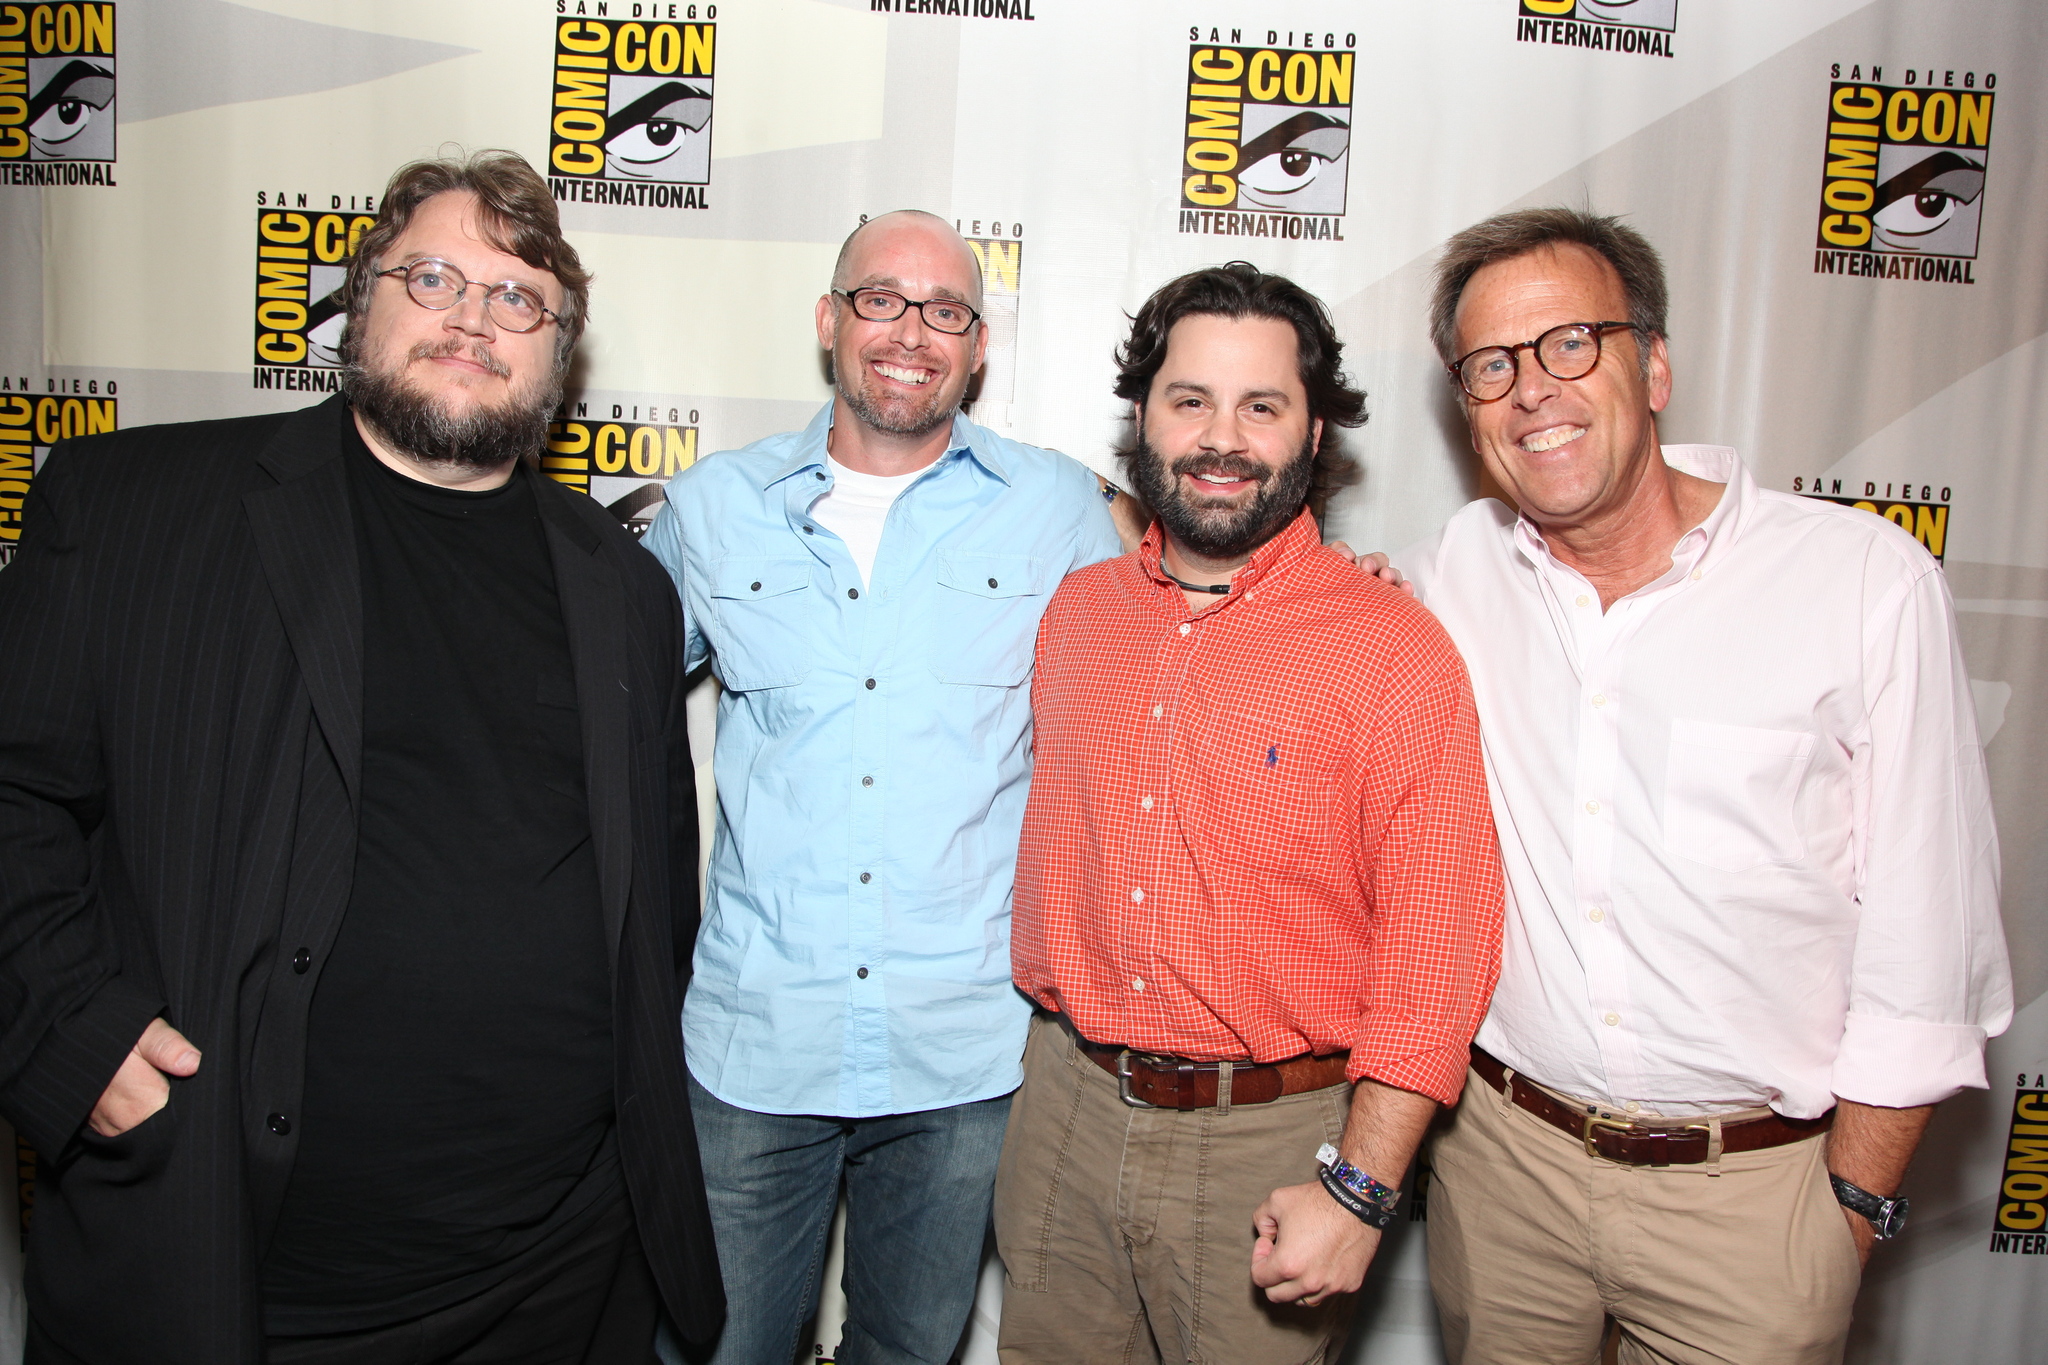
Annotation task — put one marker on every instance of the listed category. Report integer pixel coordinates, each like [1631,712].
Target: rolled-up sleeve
[1435,887]
[1930,978]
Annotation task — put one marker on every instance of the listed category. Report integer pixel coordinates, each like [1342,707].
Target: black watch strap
[1887,1216]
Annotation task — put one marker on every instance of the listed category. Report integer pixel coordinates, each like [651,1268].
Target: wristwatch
[1888,1216]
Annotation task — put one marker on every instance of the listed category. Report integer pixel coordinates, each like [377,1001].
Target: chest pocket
[1729,792]
[985,618]
[1256,792]
[764,616]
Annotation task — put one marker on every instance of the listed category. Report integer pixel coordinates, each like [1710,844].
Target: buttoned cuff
[1438,1073]
[1901,1063]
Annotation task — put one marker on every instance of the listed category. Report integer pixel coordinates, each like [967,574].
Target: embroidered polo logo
[1272,755]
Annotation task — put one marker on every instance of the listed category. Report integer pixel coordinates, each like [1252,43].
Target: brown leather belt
[1640,1144]
[1150,1080]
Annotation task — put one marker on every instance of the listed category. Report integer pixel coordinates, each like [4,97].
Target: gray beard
[418,425]
[904,421]
[1214,534]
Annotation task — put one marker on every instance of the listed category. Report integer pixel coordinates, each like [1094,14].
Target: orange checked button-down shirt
[1260,829]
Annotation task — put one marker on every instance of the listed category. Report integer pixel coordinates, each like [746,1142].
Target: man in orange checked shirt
[1257,893]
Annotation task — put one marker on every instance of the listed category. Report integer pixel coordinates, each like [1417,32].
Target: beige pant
[1533,1243]
[1126,1233]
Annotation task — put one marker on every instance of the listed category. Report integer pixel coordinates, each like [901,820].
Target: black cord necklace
[1218,588]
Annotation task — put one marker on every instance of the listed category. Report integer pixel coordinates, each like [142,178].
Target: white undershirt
[855,508]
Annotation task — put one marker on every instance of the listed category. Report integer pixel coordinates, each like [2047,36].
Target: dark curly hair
[518,217]
[1240,289]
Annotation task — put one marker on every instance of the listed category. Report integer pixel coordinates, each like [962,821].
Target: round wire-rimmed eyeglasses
[434,283]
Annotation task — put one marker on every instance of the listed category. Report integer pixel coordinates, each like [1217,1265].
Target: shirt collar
[809,449]
[1700,548]
[1276,556]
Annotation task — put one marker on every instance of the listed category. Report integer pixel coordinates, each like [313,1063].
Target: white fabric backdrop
[1056,133]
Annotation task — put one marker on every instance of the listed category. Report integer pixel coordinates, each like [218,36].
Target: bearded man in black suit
[348,851]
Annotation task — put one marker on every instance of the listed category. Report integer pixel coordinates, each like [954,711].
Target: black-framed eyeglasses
[886,305]
[435,284]
[1567,351]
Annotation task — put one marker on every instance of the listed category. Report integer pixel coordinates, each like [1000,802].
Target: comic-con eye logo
[999,249]
[2020,1226]
[1643,26]
[1902,189]
[1922,515]
[632,110]
[57,88]
[29,426]
[625,462]
[301,260]
[1267,130]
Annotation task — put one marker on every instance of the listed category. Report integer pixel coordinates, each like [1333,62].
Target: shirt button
[1610,1019]
[1145,803]
[871,684]
[1633,1107]
[1592,808]
[1599,700]
[853,593]
[1158,711]
[862,973]
[1596,914]
[992,583]
[1184,627]
[1698,574]
[1137,983]
[301,960]
[819,475]
[756,587]
[1137,896]
[809,532]
[867,781]
[1581,600]
[280,1125]
[866,877]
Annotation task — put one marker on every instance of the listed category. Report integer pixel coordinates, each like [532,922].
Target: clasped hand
[1309,1247]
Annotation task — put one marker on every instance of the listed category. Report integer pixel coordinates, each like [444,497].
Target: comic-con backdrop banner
[1851,196]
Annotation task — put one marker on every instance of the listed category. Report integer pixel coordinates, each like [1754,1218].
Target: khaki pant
[1127,1234]
[1533,1243]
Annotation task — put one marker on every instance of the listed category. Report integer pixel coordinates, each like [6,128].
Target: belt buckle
[1123,1082]
[1593,1121]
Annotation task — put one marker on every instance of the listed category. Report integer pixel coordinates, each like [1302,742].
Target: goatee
[1223,532]
[419,424]
[905,416]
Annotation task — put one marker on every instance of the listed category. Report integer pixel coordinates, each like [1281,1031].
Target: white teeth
[903,376]
[1219,478]
[1551,439]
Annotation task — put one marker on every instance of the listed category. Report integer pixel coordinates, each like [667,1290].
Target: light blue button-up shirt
[873,756]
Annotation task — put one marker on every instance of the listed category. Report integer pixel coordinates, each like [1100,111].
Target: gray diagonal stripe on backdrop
[181,55]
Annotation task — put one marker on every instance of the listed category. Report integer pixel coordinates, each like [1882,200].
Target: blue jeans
[918,1188]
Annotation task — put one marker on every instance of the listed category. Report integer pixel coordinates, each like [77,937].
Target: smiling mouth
[1550,438]
[1225,484]
[914,378]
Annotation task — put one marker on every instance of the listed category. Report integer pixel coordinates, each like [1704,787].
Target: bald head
[870,251]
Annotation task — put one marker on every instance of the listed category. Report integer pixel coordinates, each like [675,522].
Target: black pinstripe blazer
[180,746]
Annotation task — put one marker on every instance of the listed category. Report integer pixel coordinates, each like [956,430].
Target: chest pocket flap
[751,580]
[985,626]
[992,575]
[764,617]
